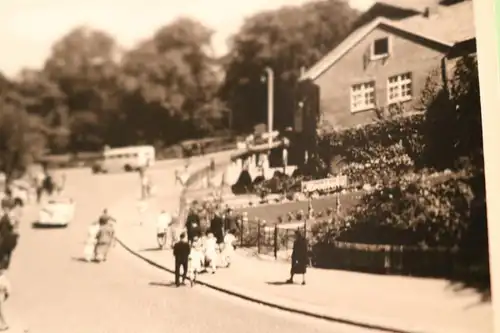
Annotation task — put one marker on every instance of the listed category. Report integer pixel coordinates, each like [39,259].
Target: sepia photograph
[280,166]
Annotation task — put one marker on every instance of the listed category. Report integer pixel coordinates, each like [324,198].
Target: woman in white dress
[90,244]
[211,252]
[228,250]
[195,261]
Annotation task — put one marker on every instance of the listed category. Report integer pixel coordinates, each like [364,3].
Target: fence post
[258,236]
[242,230]
[276,241]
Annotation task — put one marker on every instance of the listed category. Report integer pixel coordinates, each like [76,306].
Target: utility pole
[270,104]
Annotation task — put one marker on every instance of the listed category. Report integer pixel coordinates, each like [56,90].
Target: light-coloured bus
[127,159]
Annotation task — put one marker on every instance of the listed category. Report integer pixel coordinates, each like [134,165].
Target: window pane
[381,46]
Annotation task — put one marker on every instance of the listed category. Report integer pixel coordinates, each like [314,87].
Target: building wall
[408,54]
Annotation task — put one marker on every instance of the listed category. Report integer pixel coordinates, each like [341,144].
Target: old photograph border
[487,18]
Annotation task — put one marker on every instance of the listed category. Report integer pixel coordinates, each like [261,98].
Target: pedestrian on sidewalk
[211,252]
[182,251]
[228,250]
[217,226]
[196,260]
[230,220]
[5,290]
[299,257]
[192,225]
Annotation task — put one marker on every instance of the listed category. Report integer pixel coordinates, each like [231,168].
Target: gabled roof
[414,5]
[450,25]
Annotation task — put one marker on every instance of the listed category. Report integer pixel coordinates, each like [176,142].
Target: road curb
[276,305]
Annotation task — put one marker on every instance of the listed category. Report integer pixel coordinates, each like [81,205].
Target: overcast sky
[29,27]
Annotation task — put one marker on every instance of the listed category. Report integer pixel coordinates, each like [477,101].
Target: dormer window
[380,48]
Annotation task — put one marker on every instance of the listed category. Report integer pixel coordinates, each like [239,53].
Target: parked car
[57,212]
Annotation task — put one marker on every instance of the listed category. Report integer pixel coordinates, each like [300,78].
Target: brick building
[387,61]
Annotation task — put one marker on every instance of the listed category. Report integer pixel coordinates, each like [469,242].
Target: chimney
[430,10]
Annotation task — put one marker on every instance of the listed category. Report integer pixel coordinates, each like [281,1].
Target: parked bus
[126,159]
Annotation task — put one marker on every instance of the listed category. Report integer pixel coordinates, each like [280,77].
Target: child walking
[211,252]
[195,261]
[228,250]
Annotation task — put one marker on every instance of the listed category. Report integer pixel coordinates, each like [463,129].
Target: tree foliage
[168,88]
[286,40]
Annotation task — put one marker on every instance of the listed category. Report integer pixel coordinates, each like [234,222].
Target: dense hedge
[385,139]
[413,212]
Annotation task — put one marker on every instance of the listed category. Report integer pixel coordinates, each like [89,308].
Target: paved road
[53,292]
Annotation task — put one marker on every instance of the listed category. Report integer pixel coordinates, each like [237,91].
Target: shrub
[243,184]
[385,139]
[413,212]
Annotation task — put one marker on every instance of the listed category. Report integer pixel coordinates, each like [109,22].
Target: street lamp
[270,103]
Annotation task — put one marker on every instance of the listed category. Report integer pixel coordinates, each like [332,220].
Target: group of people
[208,243]
[100,238]
[201,254]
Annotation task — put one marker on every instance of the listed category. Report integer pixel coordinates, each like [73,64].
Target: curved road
[54,292]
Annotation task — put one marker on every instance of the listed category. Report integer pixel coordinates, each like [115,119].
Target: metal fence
[277,240]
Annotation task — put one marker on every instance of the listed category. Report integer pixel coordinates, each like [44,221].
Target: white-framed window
[380,48]
[399,88]
[363,96]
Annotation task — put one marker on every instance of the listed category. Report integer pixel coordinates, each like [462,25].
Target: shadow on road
[37,225]
[278,283]
[83,260]
[162,284]
[152,249]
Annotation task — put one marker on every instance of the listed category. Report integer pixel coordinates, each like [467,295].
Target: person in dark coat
[299,257]
[181,254]
[231,220]
[217,227]
[192,225]
[8,202]
[9,236]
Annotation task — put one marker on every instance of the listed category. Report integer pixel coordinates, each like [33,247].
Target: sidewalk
[398,304]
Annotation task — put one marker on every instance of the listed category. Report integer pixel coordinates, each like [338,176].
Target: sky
[28,28]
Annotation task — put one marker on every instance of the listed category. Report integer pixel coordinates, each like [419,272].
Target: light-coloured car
[57,212]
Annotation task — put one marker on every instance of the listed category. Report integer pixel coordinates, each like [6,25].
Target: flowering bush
[412,211]
[376,171]
[385,139]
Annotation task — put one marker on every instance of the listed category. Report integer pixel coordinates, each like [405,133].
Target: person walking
[230,220]
[162,225]
[228,250]
[192,224]
[8,203]
[39,179]
[181,255]
[299,257]
[91,242]
[105,238]
[210,249]
[9,235]
[195,261]
[217,226]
